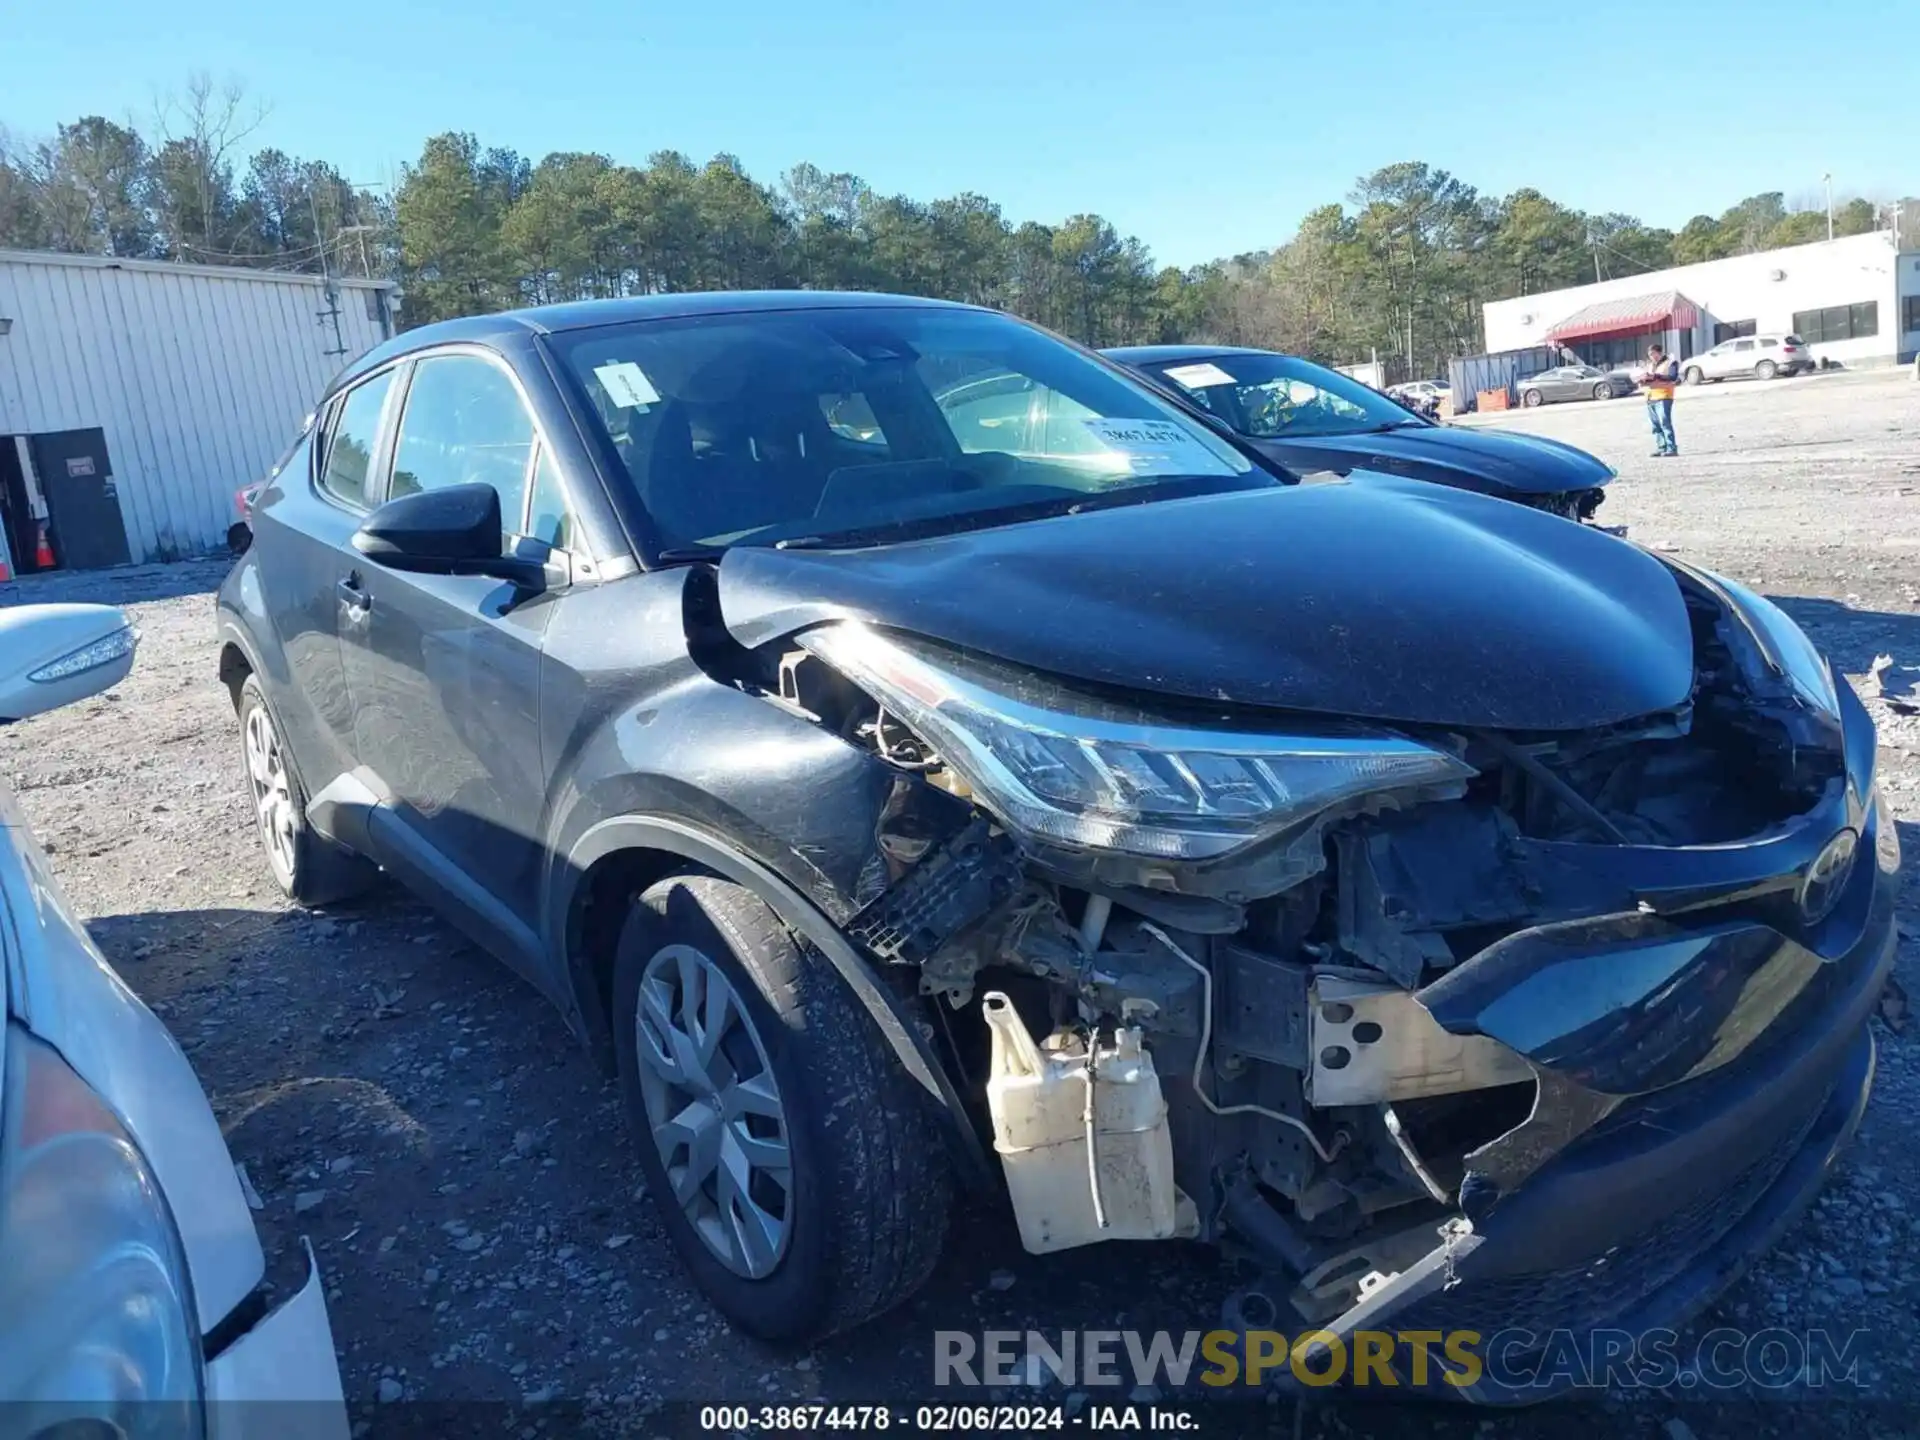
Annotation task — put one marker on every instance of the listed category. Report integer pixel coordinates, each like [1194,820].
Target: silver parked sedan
[133,1298]
[1574,382]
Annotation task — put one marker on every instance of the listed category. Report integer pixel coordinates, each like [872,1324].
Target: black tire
[1694,375]
[309,868]
[870,1181]
[1603,391]
[1531,398]
[1765,370]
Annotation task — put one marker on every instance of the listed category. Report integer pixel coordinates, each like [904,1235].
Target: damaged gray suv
[914,796]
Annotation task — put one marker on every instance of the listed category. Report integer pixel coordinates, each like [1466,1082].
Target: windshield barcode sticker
[1158,447]
[627,385]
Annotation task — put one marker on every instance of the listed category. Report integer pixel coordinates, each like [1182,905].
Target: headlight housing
[1078,772]
[1785,646]
[104,651]
[96,1307]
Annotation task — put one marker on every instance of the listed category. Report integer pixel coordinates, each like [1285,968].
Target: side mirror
[53,655]
[455,531]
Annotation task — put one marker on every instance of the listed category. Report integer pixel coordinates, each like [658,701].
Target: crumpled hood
[1492,462]
[1385,600]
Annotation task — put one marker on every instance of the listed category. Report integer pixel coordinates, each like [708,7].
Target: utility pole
[1827,180]
[332,292]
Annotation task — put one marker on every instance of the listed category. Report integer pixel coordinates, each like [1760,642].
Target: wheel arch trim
[659,833]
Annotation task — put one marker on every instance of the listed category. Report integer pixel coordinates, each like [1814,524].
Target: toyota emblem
[1826,877]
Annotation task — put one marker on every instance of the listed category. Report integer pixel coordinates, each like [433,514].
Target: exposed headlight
[96,1327]
[1785,646]
[1077,772]
[104,651]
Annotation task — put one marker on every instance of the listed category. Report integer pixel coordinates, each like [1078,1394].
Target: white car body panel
[287,1359]
[58,987]
[62,989]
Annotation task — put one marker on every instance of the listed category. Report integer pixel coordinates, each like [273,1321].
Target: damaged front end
[1455,1026]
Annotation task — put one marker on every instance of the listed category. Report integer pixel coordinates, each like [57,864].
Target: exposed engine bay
[1329,1011]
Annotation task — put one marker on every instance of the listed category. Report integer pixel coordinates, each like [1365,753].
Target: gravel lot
[464,1171]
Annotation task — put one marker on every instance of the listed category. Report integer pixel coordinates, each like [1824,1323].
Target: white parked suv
[1757,357]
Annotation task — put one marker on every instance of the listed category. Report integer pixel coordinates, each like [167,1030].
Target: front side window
[464,424]
[1270,397]
[352,438]
[865,424]
[551,518]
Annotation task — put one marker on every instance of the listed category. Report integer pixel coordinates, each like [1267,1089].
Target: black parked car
[1411,876]
[1310,418]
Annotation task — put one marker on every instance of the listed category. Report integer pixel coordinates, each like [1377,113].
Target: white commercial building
[137,397]
[1855,301]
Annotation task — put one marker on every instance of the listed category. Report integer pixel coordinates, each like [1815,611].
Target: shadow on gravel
[1853,637]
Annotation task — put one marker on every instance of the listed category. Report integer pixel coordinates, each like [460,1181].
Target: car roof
[506,325]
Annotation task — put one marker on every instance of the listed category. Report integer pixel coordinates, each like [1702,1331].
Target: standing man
[1659,378]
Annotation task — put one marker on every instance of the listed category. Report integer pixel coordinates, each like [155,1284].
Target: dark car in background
[1309,418]
[878,725]
[1574,382]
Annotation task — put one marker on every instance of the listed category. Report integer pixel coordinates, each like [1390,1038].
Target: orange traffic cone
[43,552]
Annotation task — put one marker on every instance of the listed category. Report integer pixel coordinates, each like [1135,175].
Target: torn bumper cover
[1709,1079]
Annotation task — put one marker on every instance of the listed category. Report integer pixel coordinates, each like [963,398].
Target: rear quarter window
[352,439]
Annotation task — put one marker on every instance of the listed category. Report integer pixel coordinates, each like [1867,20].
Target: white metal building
[1854,300]
[137,397]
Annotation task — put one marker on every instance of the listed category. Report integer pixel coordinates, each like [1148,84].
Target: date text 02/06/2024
[938,1418]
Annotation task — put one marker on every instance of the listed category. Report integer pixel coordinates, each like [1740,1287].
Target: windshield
[1271,397]
[865,424]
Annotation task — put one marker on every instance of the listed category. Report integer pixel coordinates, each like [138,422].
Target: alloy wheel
[714,1110]
[272,792]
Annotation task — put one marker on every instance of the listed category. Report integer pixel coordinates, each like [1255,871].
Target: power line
[298,250]
[1600,244]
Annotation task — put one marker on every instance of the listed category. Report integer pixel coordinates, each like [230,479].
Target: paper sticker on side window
[627,385]
[1157,447]
[1198,377]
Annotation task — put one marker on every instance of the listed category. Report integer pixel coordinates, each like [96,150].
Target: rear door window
[352,440]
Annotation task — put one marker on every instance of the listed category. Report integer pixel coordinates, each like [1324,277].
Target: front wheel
[1694,375]
[1765,370]
[795,1163]
[311,869]
[1603,391]
[1531,398]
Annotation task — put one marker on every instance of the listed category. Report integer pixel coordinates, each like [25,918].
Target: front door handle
[353,595]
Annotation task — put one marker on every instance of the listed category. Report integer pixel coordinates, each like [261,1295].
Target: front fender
[711,852]
[737,785]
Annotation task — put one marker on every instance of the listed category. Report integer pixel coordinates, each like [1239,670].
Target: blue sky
[1205,130]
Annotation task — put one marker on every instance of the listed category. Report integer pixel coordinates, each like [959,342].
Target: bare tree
[201,131]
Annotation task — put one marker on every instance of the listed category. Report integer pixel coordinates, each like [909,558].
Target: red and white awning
[1668,310]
